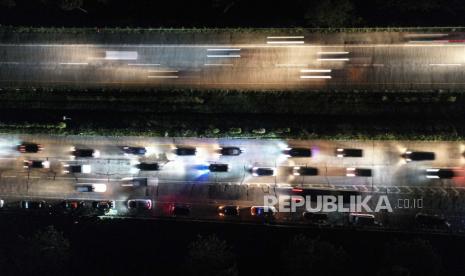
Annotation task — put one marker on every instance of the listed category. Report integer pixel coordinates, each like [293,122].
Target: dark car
[315,218]
[440,173]
[304,171]
[73,204]
[263,211]
[218,167]
[340,152]
[140,204]
[230,151]
[298,152]
[36,164]
[103,205]
[148,166]
[185,151]
[135,150]
[418,156]
[228,211]
[263,171]
[26,204]
[180,210]
[352,172]
[362,219]
[29,148]
[85,153]
[431,221]
[76,168]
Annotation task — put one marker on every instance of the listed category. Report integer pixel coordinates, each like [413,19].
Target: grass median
[407,115]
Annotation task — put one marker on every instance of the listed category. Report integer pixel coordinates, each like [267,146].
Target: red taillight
[297,190]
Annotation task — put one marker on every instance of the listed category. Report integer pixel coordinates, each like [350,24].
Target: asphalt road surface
[415,63]
[187,180]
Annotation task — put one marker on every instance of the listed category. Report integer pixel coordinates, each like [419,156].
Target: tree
[330,13]
[211,256]
[411,258]
[46,253]
[69,5]
[8,3]
[315,257]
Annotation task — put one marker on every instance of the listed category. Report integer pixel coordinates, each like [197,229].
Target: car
[73,204]
[185,151]
[27,204]
[263,171]
[77,168]
[134,182]
[140,204]
[103,205]
[88,188]
[143,166]
[341,152]
[30,148]
[85,153]
[218,167]
[180,210]
[431,221]
[228,211]
[263,211]
[230,151]
[304,171]
[362,219]
[298,152]
[352,172]
[36,164]
[410,156]
[440,173]
[135,150]
[315,218]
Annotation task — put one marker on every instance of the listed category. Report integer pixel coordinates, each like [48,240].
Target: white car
[67,168]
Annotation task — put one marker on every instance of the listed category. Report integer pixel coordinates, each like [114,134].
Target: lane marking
[74,63]
[144,64]
[315,77]
[223,56]
[315,71]
[224,49]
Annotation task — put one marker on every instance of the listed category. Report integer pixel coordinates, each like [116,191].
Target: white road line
[9,176]
[163,77]
[223,56]
[315,77]
[74,63]
[445,64]
[333,59]
[289,65]
[285,42]
[315,71]
[333,53]
[425,35]
[163,71]
[144,64]
[285,37]
[9,62]
[224,49]
[218,64]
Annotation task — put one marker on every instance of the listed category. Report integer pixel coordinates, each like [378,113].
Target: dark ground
[232,13]
[132,247]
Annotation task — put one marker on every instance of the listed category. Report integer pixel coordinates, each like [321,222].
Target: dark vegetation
[232,13]
[30,246]
[306,114]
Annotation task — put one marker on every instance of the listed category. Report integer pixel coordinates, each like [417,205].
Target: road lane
[367,66]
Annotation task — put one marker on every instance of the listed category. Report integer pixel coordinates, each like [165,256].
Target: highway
[187,180]
[285,63]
